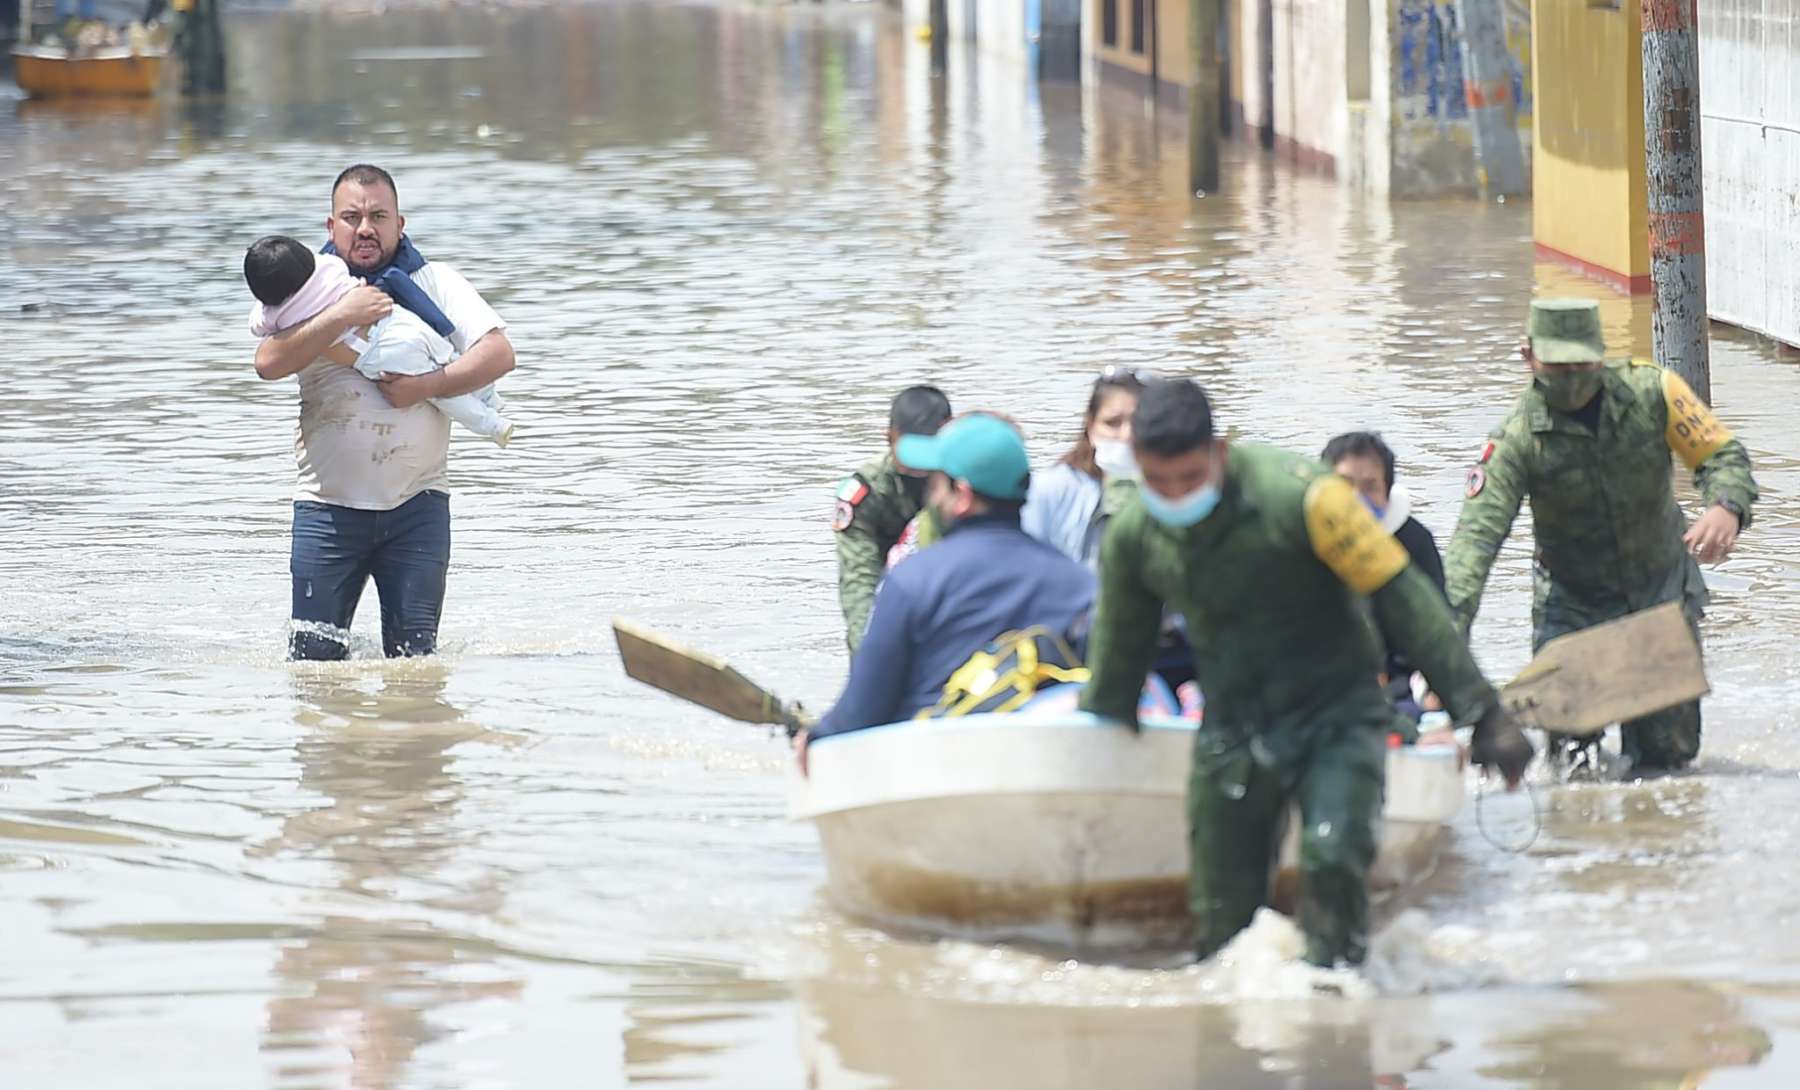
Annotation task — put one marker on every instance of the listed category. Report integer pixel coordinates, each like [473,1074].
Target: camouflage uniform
[1272,586]
[1116,493]
[921,532]
[1609,533]
[873,508]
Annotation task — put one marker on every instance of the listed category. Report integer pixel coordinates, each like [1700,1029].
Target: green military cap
[1566,331]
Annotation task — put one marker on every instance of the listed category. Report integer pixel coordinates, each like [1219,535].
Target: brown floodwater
[722,236]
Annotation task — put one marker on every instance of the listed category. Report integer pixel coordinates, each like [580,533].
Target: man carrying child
[373,497]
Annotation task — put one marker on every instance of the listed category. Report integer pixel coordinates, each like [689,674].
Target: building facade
[1370,91]
[1750,159]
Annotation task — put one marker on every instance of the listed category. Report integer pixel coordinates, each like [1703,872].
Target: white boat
[1053,827]
[1058,830]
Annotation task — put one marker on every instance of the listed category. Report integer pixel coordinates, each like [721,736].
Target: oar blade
[692,675]
[1612,673]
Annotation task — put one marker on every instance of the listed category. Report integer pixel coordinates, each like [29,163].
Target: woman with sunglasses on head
[1069,503]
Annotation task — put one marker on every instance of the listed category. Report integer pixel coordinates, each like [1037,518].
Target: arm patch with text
[1693,432]
[1347,539]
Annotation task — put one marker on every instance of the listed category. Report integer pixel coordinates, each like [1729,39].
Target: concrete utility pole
[940,36]
[1678,324]
[1203,96]
[1487,87]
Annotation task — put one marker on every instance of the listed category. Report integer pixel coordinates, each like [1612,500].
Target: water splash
[323,630]
[1264,963]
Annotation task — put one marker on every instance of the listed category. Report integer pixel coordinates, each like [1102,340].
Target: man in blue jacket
[985,578]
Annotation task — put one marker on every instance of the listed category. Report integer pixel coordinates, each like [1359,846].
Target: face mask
[1567,391]
[1395,513]
[913,487]
[1183,512]
[1115,459]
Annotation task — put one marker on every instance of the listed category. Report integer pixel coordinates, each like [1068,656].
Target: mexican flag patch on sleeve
[853,491]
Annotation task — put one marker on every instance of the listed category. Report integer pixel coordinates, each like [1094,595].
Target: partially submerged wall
[1589,203]
[1432,139]
[1750,157]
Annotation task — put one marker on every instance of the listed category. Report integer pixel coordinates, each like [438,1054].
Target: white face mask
[1115,459]
[1397,511]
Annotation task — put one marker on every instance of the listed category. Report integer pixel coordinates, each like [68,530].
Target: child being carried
[293,284]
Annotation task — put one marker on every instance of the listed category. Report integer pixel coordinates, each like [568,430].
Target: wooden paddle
[1578,684]
[1586,681]
[694,675]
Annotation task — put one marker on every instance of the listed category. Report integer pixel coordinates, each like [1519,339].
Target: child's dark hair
[276,267]
[1353,443]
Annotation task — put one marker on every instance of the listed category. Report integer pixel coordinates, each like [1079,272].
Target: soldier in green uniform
[1589,442]
[875,503]
[1269,556]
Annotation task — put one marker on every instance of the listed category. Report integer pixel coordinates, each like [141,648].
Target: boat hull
[1062,832]
[113,74]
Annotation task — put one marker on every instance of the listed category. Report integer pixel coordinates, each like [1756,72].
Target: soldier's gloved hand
[1500,743]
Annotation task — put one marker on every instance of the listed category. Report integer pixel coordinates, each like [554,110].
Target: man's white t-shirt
[356,450]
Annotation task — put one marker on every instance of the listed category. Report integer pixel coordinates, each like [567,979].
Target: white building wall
[961,16]
[1310,101]
[1750,156]
[999,27]
[1248,64]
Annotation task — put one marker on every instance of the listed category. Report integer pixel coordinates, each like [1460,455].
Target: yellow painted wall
[1175,60]
[1120,53]
[1589,199]
[1171,40]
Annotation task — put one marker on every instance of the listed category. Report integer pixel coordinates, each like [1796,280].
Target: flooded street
[722,237]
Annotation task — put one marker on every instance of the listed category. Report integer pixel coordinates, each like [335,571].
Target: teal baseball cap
[979,448]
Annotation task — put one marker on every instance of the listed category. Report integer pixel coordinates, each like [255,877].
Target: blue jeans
[337,549]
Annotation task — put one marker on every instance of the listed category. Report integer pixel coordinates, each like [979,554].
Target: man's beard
[944,521]
[365,271]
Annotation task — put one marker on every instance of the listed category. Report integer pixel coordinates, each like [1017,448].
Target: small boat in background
[87,57]
[113,73]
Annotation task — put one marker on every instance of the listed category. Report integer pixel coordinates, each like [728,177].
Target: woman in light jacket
[1065,507]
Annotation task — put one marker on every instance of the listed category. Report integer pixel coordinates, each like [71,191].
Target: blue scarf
[395,278]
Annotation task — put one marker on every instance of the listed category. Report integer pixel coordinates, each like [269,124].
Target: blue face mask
[1184,512]
[1375,509]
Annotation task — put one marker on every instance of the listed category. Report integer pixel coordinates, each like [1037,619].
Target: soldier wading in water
[1268,556]
[1589,442]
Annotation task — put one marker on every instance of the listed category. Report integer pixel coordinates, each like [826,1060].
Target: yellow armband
[1693,432]
[1347,539]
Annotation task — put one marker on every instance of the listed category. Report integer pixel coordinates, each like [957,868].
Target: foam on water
[1266,962]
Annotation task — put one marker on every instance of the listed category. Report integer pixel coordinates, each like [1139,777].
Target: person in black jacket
[1362,458]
